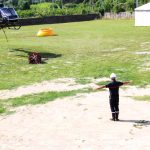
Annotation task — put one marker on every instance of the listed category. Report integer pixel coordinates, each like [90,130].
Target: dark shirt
[114,89]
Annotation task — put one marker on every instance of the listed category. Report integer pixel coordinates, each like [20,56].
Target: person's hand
[128,82]
[94,86]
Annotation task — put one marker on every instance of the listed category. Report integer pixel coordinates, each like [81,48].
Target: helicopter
[8,18]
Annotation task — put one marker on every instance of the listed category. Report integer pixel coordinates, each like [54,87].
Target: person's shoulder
[109,84]
[119,82]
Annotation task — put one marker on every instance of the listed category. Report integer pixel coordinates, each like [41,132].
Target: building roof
[144,7]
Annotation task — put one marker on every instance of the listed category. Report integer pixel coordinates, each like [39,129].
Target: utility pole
[136,3]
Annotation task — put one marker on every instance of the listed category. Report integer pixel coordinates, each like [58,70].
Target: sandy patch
[77,123]
[61,84]
[135,91]
[66,84]
[143,53]
[145,44]
[145,66]
[118,49]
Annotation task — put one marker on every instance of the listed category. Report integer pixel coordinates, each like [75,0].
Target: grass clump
[83,81]
[142,98]
[2,109]
[37,99]
[103,83]
[40,98]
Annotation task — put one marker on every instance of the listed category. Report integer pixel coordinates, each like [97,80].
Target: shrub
[26,13]
[54,6]
[53,9]
[24,4]
[130,5]
[40,6]
[70,5]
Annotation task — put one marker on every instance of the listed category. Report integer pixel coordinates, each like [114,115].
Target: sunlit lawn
[84,49]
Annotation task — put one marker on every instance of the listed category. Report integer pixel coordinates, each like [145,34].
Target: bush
[41,6]
[45,9]
[130,5]
[24,4]
[53,9]
[26,13]
[54,6]
[70,5]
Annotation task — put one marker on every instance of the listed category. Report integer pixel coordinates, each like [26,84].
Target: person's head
[113,76]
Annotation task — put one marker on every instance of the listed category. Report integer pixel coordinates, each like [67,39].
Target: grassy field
[85,49]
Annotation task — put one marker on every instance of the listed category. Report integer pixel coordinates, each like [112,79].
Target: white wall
[142,18]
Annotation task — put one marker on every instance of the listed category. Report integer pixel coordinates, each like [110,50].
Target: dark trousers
[114,105]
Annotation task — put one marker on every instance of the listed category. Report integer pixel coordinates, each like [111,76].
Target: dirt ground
[78,123]
[66,84]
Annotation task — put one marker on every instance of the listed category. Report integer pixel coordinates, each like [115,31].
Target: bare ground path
[65,84]
[77,123]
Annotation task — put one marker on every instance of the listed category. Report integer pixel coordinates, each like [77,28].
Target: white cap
[113,75]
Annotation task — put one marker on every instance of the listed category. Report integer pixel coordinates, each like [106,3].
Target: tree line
[38,8]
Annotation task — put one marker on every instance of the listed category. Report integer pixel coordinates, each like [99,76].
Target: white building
[142,15]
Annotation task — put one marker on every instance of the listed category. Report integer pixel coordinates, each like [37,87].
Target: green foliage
[40,6]
[24,4]
[70,5]
[130,5]
[54,6]
[73,7]
[53,9]
[115,6]
[107,5]
[26,13]
[41,10]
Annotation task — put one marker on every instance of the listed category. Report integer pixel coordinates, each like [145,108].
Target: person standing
[114,95]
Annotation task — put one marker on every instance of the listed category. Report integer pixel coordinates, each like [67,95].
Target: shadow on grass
[45,56]
[144,122]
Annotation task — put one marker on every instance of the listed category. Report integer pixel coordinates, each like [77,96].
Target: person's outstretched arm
[124,83]
[101,87]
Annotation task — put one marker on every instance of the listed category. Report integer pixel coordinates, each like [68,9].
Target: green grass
[42,97]
[83,80]
[142,98]
[2,110]
[103,83]
[34,99]
[84,49]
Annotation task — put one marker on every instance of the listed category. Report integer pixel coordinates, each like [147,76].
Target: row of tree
[107,5]
[38,8]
